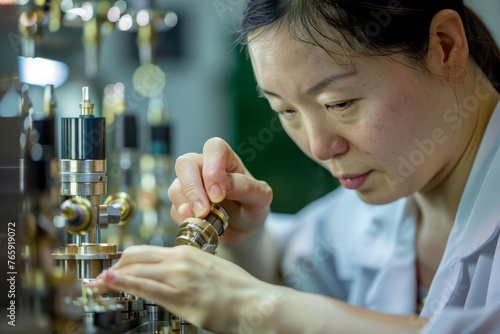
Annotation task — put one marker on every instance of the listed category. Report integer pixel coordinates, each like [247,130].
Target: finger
[248,202]
[175,194]
[174,213]
[141,254]
[100,283]
[219,160]
[161,272]
[139,286]
[179,201]
[159,292]
[251,193]
[187,168]
[93,284]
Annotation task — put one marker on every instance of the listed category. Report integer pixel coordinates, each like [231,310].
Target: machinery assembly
[83,178]
[58,264]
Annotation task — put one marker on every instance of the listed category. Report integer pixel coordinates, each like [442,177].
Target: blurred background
[172,66]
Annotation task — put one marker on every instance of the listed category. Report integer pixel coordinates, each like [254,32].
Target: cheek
[392,129]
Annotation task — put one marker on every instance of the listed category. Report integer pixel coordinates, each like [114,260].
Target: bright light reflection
[41,71]
[171,19]
[66,5]
[89,11]
[13,2]
[125,23]
[114,14]
[142,17]
[86,12]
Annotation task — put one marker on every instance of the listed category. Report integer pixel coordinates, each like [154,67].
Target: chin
[385,189]
[380,196]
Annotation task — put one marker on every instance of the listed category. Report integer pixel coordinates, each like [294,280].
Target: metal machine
[54,191]
[56,264]
[83,181]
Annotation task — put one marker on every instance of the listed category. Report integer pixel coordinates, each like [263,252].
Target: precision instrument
[83,181]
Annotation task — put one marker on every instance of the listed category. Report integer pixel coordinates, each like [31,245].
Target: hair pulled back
[377,27]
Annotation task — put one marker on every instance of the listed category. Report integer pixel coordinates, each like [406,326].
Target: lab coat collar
[477,217]
[477,221]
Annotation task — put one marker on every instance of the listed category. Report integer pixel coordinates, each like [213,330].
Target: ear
[448,47]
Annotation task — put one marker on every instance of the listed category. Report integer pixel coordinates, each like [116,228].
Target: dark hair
[377,27]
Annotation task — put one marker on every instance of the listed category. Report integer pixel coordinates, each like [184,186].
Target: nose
[324,143]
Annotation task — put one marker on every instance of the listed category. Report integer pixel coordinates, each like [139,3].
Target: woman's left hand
[204,289]
[215,294]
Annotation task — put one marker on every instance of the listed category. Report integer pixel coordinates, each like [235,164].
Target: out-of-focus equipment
[123,172]
[45,286]
[30,28]
[37,299]
[34,17]
[96,18]
[156,168]
[100,17]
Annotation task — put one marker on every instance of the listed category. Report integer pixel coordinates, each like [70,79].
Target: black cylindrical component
[39,155]
[160,139]
[125,131]
[216,221]
[83,138]
[46,131]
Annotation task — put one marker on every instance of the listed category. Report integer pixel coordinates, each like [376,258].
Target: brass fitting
[124,203]
[203,233]
[86,107]
[77,212]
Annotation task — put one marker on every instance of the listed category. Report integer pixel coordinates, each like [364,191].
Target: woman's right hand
[219,176]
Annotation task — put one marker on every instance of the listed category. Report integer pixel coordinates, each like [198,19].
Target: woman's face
[376,124]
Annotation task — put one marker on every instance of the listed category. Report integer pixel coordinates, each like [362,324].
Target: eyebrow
[316,87]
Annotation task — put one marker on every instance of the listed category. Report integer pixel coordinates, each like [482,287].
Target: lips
[354,181]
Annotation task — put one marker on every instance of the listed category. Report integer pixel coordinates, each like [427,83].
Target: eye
[286,113]
[339,106]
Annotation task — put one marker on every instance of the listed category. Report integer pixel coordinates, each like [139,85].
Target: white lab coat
[365,254]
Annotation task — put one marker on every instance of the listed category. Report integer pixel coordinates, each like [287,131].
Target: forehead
[268,42]
[275,52]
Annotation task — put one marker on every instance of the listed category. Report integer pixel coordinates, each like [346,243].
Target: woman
[397,100]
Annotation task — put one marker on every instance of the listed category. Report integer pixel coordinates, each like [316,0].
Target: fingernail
[216,194]
[185,211]
[110,276]
[199,208]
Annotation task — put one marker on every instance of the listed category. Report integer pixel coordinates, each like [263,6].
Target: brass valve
[79,215]
[125,206]
[77,212]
